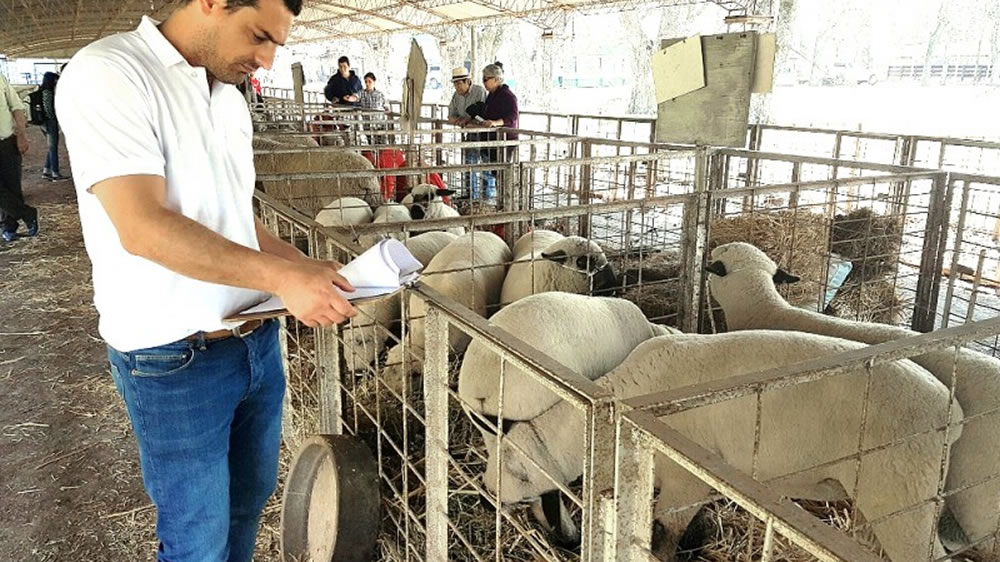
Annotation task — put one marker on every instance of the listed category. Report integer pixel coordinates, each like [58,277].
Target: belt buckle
[237,331]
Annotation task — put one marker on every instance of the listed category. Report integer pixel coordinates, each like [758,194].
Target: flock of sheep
[538,290]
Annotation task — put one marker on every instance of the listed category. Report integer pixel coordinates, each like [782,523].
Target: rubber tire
[350,486]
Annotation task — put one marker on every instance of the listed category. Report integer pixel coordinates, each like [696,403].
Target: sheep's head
[522,481]
[362,344]
[423,195]
[585,257]
[733,264]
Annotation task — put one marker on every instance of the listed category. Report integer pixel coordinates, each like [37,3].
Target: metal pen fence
[658,243]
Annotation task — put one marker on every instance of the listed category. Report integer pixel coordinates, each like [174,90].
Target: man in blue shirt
[344,86]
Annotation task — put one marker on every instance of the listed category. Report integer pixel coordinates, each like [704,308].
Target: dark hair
[344,60]
[49,80]
[369,75]
[500,64]
[294,6]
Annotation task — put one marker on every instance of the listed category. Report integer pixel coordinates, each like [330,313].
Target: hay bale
[736,536]
[310,196]
[873,301]
[870,240]
[796,241]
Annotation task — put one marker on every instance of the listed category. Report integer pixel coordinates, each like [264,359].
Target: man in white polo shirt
[160,142]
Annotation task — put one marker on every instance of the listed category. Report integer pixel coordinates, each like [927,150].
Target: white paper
[678,69]
[379,270]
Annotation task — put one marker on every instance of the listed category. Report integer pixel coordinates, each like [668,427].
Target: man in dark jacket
[344,86]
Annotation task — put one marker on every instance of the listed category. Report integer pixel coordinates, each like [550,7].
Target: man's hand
[309,293]
[351,98]
[22,143]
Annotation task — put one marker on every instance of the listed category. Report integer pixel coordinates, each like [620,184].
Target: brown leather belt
[243,329]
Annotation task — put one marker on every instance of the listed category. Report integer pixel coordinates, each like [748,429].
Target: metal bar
[633,491]
[956,254]
[436,439]
[932,255]
[704,394]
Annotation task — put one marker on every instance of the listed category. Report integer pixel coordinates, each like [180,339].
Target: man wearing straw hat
[164,177]
[466,95]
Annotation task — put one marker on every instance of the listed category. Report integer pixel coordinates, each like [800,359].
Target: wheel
[331,475]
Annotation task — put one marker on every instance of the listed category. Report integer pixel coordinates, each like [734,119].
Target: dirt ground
[70,484]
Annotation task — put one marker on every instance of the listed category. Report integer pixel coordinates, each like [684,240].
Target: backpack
[37,108]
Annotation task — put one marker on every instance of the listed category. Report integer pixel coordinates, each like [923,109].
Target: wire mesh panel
[972,259]
[857,245]
[846,458]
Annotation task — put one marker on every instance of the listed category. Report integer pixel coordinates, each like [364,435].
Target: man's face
[369,84]
[345,69]
[235,43]
[462,86]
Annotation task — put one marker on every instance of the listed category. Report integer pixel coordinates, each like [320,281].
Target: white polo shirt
[130,104]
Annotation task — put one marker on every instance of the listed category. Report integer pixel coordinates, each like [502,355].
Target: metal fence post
[586,179]
[932,254]
[599,477]
[633,492]
[436,405]
[328,372]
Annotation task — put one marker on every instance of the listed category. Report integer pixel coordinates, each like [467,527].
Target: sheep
[345,211]
[425,202]
[589,335]
[567,264]
[364,338]
[469,270]
[390,212]
[803,427]
[309,196]
[743,281]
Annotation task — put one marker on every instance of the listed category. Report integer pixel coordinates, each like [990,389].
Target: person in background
[51,127]
[466,94]
[13,144]
[373,100]
[344,86]
[500,111]
[370,98]
[166,206]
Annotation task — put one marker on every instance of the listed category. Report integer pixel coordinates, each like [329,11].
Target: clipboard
[274,309]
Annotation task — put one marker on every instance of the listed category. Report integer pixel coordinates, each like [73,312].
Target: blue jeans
[52,157]
[207,418]
[475,179]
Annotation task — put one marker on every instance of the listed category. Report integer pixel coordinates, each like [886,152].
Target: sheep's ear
[716,267]
[559,256]
[782,276]
[445,192]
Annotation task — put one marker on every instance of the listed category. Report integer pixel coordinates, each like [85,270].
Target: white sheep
[345,211]
[802,427]
[365,336]
[589,335]
[469,270]
[743,282]
[547,261]
[389,212]
[425,202]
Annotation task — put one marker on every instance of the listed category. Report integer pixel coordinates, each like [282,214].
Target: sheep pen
[799,242]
